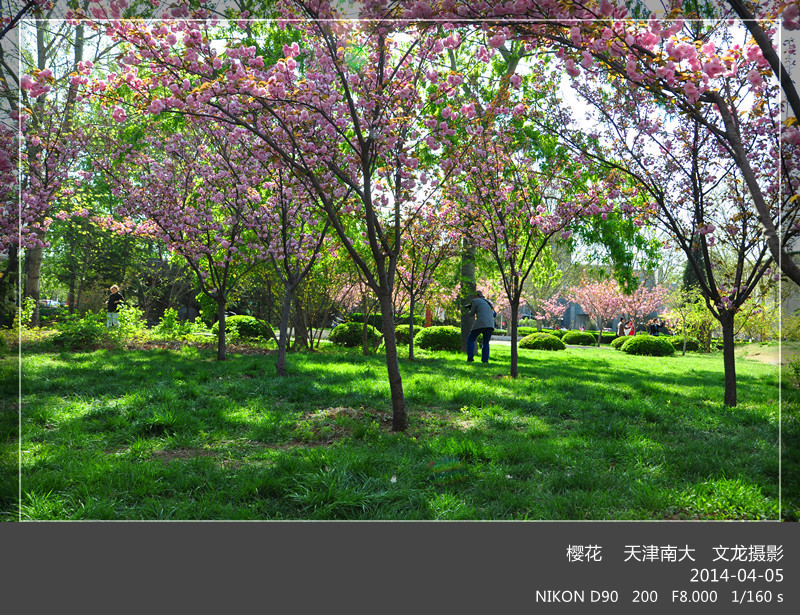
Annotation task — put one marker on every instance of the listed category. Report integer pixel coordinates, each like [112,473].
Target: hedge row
[403,319]
[677,343]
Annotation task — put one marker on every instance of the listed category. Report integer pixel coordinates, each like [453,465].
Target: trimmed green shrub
[652,345]
[542,341]
[607,336]
[579,338]
[500,332]
[405,319]
[439,338]
[350,334]
[619,341]
[677,343]
[525,331]
[374,319]
[559,333]
[245,327]
[402,333]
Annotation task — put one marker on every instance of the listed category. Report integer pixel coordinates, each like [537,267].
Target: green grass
[588,433]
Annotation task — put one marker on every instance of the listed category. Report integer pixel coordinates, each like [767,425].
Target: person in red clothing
[630,328]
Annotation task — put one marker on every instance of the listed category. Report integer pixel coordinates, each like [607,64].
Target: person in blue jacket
[484,314]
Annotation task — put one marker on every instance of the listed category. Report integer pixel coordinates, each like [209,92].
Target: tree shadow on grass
[556,436]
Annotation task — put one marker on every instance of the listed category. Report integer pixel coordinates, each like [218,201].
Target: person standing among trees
[112,305]
[484,314]
[621,327]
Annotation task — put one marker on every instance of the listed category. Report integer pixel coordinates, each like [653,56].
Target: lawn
[586,433]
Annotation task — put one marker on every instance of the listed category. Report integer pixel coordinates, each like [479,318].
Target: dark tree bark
[467,291]
[221,349]
[728,357]
[411,304]
[283,331]
[8,289]
[514,350]
[399,418]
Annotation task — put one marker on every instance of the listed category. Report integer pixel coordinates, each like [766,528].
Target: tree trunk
[399,418]
[411,328]
[599,331]
[728,358]
[221,331]
[514,349]
[33,268]
[467,291]
[71,295]
[8,289]
[300,327]
[283,331]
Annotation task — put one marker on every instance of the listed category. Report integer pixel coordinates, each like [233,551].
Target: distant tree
[601,300]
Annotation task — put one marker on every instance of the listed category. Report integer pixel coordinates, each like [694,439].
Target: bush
[607,336]
[439,338]
[350,334]
[619,341]
[579,338]
[132,323]
[559,333]
[405,319]
[677,343]
[541,341]
[525,331]
[171,327]
[245,327]
[791,327]
[82,333]
[794,371]
[652,345]
[374,319]
[500,332]
[50,315]
[402,333]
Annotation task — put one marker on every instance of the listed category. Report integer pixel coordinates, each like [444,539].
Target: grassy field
[586,433]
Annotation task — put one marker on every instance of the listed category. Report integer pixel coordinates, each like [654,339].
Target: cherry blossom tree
[289,221]
[665,56]
[10,17]
[601,300]
[642,301]
[344,117]
[430,239]
[197,199]
[699,196]
[552,310]
[516,199]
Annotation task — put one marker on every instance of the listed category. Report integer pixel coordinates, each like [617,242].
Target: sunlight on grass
[581,434]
